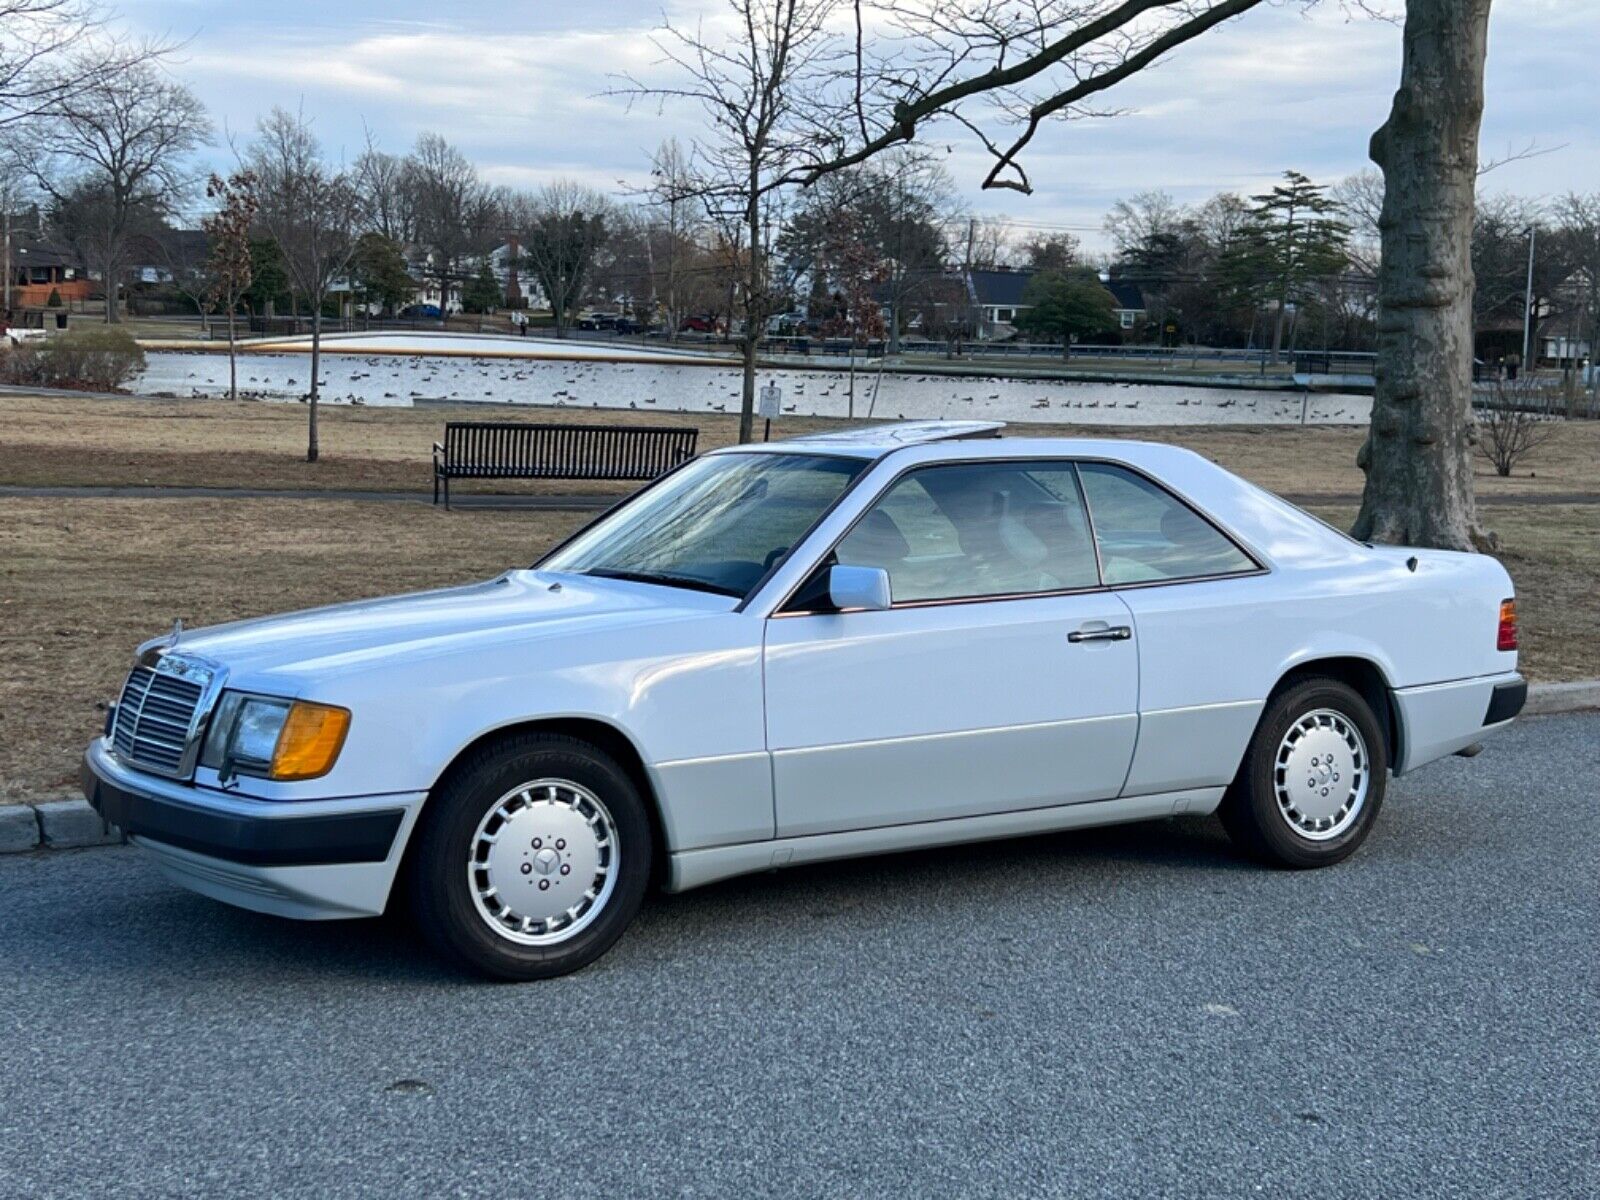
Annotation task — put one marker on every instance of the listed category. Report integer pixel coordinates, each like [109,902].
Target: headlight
[274,738]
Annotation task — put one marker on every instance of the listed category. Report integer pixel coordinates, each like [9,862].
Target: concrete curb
[72,823]
[1549,699]
[54,825]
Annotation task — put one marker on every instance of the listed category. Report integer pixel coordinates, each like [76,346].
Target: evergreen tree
[1066,304]
[378,270]
[1292,238]
[482,293]
[269,283]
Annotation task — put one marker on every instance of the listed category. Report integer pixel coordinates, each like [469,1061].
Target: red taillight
[1507,639]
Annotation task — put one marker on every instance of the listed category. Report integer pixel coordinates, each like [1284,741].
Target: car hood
[519,606]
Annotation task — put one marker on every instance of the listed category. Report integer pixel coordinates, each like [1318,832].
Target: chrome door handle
[1114,633]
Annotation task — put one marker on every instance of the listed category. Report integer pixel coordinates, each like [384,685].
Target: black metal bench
[513,450]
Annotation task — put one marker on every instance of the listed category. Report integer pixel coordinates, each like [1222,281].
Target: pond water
[408,379]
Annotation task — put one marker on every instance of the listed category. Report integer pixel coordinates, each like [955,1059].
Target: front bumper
[310,859]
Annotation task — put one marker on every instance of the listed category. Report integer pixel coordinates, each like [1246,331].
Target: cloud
[518,85]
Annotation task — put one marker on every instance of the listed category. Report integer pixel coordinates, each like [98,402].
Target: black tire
[1251,811]
[438,885]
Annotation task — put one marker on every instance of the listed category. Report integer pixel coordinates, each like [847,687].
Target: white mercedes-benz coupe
[893,637]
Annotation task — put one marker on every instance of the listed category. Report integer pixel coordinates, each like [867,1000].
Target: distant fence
[1548,394]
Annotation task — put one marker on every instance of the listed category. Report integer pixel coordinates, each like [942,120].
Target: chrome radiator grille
[158,713]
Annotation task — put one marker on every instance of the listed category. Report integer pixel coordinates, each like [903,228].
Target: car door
[1200,612]
[1002,677]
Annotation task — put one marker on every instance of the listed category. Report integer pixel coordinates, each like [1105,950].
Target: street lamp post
[1527,306]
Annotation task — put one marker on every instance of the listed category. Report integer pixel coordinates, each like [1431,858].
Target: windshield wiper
[681,581]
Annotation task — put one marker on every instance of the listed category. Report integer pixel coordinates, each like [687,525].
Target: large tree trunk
[233,359]
[1418,452]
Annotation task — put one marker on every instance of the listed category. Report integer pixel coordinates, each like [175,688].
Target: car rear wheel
[532,859]
[1313,779]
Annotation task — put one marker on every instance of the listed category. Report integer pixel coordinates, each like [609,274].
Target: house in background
[1130,309]
[998,294]
[39,268]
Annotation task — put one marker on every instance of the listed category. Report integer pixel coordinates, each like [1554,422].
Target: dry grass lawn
[80,440]
[82,581]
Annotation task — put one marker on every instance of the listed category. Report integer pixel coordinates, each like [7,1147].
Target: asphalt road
[1130,1012]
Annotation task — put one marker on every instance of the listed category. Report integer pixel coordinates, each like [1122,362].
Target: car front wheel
[1313,779]
[532,858]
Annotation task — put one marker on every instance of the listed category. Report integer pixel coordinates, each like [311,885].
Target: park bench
[514,450]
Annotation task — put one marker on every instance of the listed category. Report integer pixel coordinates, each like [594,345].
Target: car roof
[930,441]
[874,441]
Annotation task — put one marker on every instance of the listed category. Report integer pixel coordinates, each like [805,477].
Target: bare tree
[1578,216]
[1143,218]
[1360,198]
[1509,425]
[450,208]
[388,192]
[752,83]
[562,227]
[41,63]
[229,265]
[899,210]
[674,192]
[16,197]
[986,245]
[121,134]
[313,213]
[997,68]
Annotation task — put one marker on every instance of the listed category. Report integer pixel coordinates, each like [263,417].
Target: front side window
[971,530]
[716,525]
[1148,535]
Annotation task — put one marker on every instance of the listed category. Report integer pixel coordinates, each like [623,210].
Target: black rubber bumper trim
[1506,702]
[252,841]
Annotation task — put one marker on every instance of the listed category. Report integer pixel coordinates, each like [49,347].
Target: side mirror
[858,587]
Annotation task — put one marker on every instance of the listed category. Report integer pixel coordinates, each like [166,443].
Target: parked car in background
[421,312]
[845,644]
[698,325]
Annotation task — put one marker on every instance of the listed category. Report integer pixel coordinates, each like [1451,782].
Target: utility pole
[6,306]
[967,290]
[1527,307]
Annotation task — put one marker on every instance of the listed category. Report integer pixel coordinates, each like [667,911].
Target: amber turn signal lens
[1507,639]
[313,735]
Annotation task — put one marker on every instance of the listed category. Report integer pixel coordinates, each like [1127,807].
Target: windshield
[717,525]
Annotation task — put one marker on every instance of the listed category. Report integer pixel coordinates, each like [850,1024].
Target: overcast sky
[515,83]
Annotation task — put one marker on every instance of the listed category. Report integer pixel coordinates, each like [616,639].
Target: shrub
[100,357]
[55,299]
[1510,424]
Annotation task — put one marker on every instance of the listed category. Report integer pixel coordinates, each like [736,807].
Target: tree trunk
[233,360]
[316,368]
[1418,452]
[753,314]
[1277,331]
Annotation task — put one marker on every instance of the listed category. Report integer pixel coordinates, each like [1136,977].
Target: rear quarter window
[1145,534]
